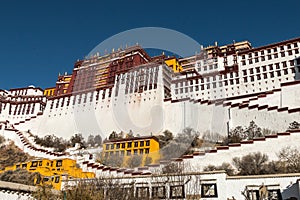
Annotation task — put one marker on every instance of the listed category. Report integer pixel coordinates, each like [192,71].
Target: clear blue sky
[39,40]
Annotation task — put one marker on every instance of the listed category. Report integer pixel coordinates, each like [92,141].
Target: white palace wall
[140,112]
[269,146]
[146,113]
[291,96]
[149,112]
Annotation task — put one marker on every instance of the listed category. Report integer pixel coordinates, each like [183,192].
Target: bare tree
[58,143]
[275,167]
[130,134]
[266,131]
[159,186]
[148,160]
[135,161]
[112,160]
[165,138]
[47,193]
[234,135]
[77,138]
[21,176]
[10,154]
[91,140]
[98,140]
[212,137]
[225,166]
[251,164]
[173,167]
[239,133]
[174,150]
[180,145]
[290,156]
[252,131]
[2,139]
[181,185]
[113,136]
[102,188]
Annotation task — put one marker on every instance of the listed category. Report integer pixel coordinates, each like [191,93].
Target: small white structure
[209,185]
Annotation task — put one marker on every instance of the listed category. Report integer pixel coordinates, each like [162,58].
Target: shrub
[11,154]
[290,157]
[2,139]
[134,161]
[251,164]
[225,166]
[294,125]
[52,141]
[172,168]
[21,176]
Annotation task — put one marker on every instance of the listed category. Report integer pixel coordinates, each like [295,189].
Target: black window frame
[155,194]
[207,185]
[142,143]
[136,144]
[57,179]
[147,142]
[182,195]
[147,151]
[137,194]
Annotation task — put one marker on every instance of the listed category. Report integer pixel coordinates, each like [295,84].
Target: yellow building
[147,147]
[49,92]
[52,171]
[173,63]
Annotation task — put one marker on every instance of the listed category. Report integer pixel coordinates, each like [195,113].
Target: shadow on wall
[291,192]
[297,68]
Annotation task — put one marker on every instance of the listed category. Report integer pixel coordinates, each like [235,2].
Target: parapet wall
[98,112]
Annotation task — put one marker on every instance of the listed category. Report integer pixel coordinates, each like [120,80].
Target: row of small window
[208,86]
[232,81]
[274,50]
[225,61]
[49,93]
[271,194]
[121,66]
[122,60]
[265,75]
[80,99]
[129,145]
[82,86]
[23,109]
[54,179]
[39,163]
[271,67]
[140,88]
[20,92]
[176,67]
[269,57]
[19,99]
[232,75]
[206,61]
[175,191]
[128,152]
[88,75]
[85,69]
[210,67]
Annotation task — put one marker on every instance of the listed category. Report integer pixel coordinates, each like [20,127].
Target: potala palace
[216,90]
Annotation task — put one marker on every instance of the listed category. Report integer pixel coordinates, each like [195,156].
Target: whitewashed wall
[271,147]
[13,196]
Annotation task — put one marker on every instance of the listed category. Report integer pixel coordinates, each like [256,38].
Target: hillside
[11,154]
